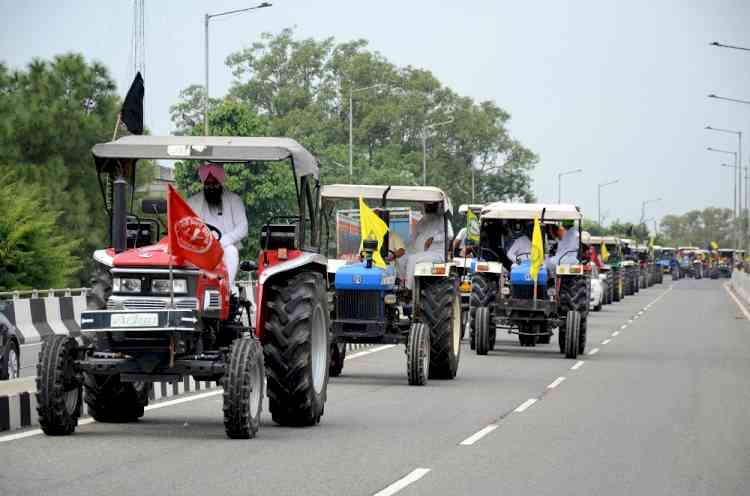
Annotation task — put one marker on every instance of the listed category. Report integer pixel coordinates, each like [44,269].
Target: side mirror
[154,206]
[248,266]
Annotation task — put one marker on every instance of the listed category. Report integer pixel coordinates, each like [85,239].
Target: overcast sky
[617,88]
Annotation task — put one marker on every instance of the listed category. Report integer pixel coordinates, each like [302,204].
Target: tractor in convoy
[611,270]
[665,257]
[411,298]
[466,262]
[630,266]
[154,316]
[510,299]
[726,261]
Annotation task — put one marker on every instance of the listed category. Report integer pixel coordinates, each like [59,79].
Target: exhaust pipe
[119,214]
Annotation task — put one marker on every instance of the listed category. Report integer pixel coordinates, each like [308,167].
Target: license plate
[134,320]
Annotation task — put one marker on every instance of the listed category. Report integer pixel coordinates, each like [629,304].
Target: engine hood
[148,256]
[358,277]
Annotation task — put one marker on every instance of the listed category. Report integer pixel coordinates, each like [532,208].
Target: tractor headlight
[465,287]
[162,286]
[126,285]
[389,299]
[505,291]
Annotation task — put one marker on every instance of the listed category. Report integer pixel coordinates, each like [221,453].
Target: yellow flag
[604,252]
[714,245]
[372,227]
[472,227]
[537,249]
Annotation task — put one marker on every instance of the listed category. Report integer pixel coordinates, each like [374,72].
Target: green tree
[35,252]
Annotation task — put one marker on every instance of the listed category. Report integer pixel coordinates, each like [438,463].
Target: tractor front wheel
[482,329]
[441,310]
[243,389]
[418,354]
[58,386]
[110,400]
[296,349]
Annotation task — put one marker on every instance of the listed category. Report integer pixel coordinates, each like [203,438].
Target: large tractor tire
[574,297]
[296,349]
[440,307]
[617,281]
[483,292]
[636,280]
[418,354]
[243,389]
[572,334]
[58,386]
[110,400]
[628,283]
[482,330]
[338,355]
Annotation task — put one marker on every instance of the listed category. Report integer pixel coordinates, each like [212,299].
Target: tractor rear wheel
[110,400]
[418,354]
[482,330]
[483,292]
[617,286]
[243,389]
[58,386]
[441,310]
[296,349]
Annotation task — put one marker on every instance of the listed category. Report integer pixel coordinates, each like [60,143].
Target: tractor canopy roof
[687,248]
[208,149]
[528,211]
[607,240]
[628,242]
[666,248]
[414,194]
[474,207]
[727,250]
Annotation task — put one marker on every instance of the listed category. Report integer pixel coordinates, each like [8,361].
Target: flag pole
[117,126]
[169,251]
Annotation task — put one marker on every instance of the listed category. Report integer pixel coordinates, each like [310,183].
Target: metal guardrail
[37,293]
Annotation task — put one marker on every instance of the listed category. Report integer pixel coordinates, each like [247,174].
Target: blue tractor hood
[357,276]
[520,275]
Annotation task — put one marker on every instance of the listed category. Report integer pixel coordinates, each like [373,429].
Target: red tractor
[154,316]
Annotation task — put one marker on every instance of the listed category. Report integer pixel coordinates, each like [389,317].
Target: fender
[296,259]
[104,257]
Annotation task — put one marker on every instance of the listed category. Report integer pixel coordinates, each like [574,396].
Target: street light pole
[599,200]
[559,182]
[424,146]
[643,208]
[206,19]
[735,212]
[738,173]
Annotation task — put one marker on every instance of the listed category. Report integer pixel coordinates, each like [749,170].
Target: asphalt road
[662,408]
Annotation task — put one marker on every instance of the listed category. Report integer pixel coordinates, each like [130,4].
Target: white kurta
[567,251]
[231,220]
[430,226]
[520,250]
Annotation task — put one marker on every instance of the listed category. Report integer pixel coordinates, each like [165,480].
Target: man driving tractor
[429,244]
[225,211]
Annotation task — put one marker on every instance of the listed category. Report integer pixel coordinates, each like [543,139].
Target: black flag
[131,113]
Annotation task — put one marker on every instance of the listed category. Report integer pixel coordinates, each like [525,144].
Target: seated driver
[223,210]
[520,248]
[429,245]
[567,245]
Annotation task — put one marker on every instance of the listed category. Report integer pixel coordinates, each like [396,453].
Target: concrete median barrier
[741,284]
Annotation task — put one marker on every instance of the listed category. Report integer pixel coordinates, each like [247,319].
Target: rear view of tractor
[155,316]
[378,299]
[631,266]
[610,253]
[528,307]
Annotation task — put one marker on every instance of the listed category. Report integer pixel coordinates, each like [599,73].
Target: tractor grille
[150,303]
[522,291]
[361,305]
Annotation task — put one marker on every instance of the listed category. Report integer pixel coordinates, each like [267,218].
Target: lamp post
[352,91]
[643,208]
[206,19]
[734,47]
[559,181]
[424,146]
[717,150]
[599,200]
[738,173]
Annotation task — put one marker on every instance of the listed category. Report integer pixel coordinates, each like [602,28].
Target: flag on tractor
[472,227]
[372,227]
[537,250]
[131,113]
[189,237]
[605,253]
[714,245]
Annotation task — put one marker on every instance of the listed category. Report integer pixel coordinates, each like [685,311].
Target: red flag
[189,237]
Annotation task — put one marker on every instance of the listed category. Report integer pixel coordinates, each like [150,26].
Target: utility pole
[559,182]
[599,200]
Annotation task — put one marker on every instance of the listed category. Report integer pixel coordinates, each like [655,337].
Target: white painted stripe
[640,313]
[624,326]
[157,390]
[635,318]
[606,341]
[555,383]
[410,478]
[615,333]
[54,317]
[630,321]
[526,404]
[594,351]
[22,309]
[369,352]
[737,301]
[577,365]
[79,305]
[478,435]
[36,432]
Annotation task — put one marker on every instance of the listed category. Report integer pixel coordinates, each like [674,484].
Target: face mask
[213,194]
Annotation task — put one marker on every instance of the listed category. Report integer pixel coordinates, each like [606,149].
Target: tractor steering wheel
[215,230]
[518,257]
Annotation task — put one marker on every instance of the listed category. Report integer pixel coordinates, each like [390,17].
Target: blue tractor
[413,300]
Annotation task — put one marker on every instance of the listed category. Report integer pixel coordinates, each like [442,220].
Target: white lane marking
[478,435]
[737,301]
[615,333]
[163,404]
[369,352]
[630,321]
[526,404]
[556,382]
[409,478]
[606,341]
[624,326]
[594,351]
[640,313]
[635,318]
[577,365]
